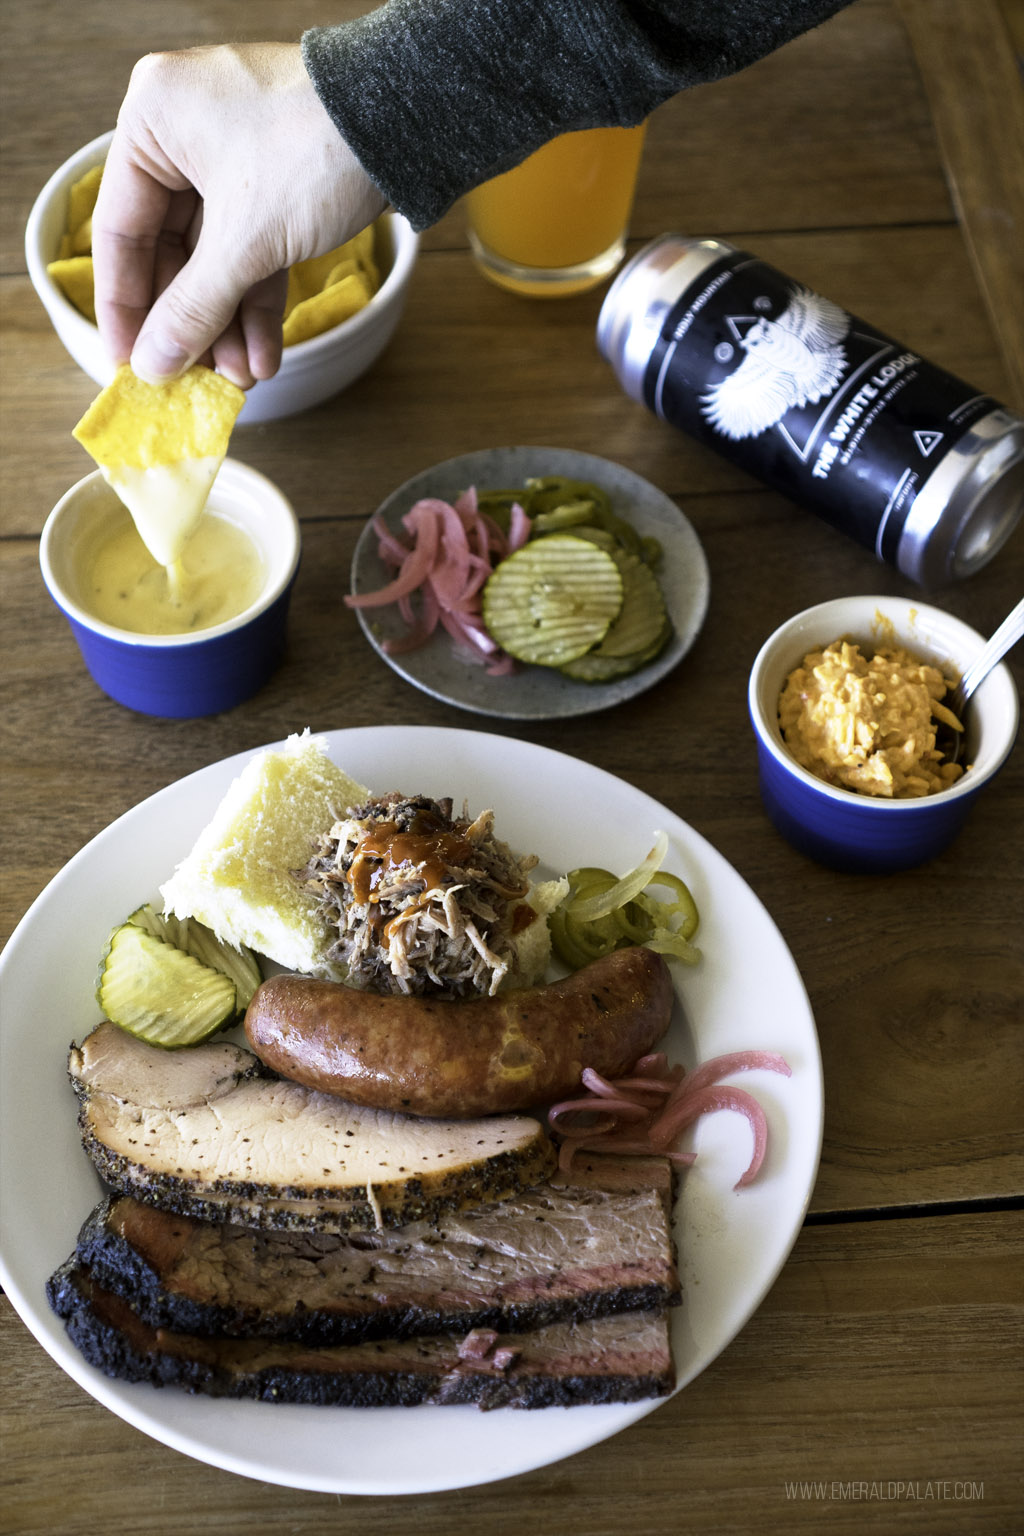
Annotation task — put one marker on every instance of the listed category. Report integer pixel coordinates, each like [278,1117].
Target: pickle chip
[552,600]
[238,963]
[593,667]
[642,621]
[159,993]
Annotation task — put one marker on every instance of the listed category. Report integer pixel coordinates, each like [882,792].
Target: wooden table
[879,160]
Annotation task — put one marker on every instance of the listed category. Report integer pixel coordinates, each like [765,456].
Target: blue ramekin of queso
[180,644]
[870,807]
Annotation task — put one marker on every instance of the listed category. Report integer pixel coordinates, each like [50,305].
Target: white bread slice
[238,878]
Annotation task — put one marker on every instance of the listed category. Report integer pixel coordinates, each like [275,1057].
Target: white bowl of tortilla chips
[343,308]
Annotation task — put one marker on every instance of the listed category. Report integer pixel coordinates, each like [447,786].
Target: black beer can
[818,404]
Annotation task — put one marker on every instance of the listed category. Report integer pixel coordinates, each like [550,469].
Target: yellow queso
[219,574]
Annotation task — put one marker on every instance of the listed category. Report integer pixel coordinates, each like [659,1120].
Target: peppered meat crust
[617,1359]
[546,1256]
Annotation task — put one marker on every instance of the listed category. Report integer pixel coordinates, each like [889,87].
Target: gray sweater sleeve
[434,96]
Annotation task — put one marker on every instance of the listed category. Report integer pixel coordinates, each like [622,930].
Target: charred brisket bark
[547,1255]
[614,1359]
[580,1315]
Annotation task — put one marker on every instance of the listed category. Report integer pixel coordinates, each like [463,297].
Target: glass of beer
[557,223]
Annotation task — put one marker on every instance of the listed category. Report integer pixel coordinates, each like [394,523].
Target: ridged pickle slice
[640,630]
[239,965]
[595,668]
[159,993]
[642,616]
[552,600]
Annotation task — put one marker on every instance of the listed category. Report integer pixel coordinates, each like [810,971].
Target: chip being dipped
[160,446]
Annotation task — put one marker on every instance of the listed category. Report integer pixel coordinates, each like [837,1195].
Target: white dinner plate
[745,993]
[536,693]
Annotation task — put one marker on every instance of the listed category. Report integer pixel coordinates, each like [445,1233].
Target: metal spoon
[1005,637]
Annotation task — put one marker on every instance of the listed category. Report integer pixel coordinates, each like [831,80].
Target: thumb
[194,309]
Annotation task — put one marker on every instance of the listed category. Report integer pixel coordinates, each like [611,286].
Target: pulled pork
[422,902]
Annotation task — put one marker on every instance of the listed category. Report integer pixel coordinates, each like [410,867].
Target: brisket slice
[541,1257]
[611,1359]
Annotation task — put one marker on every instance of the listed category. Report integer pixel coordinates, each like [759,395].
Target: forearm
[434,96]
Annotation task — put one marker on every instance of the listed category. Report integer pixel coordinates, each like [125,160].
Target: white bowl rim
[255,481]
[967,785]
[405,242]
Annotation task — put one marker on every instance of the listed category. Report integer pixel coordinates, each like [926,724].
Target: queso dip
[166,501]
[218,574]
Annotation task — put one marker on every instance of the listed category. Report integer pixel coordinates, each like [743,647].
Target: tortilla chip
[362,248]
[73,275]
[307,278]
[82,199]
[72,270]
[347,268]
[339,302]
[81,240]
[134,423]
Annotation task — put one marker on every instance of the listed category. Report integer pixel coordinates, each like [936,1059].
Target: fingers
[191,311]
[248,348]
[261,313]
[225,169]
[161,303]
[194,312]
[130,214]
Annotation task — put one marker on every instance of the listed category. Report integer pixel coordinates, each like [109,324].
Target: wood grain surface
[872,159]
[980,132]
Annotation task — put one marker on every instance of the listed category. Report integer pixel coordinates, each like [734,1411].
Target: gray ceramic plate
[536,693]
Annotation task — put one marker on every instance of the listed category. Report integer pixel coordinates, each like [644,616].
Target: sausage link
[430,1056]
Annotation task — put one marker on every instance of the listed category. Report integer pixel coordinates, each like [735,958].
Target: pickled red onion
[736,1061]
[414,570]
[657,1103]
[453,551]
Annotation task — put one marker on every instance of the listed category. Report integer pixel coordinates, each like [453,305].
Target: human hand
[224,169]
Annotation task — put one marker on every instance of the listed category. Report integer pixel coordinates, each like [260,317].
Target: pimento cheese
[868,724]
